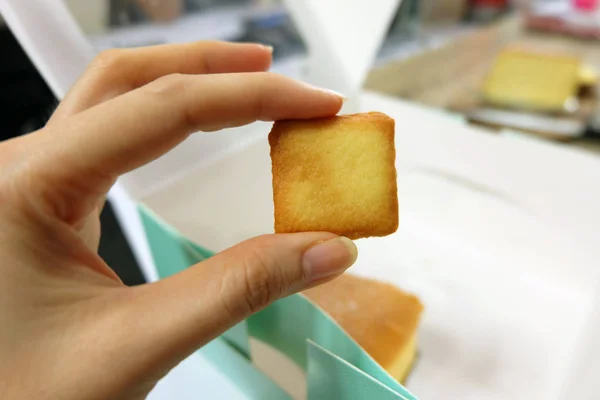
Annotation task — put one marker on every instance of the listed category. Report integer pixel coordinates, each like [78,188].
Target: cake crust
[335,174]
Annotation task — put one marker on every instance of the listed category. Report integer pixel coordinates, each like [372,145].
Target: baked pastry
[335,174]
[381,318]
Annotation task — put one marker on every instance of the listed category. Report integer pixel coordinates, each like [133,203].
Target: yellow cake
[381,318]
[532,80]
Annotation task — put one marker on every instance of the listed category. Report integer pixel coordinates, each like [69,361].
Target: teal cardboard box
[333,364]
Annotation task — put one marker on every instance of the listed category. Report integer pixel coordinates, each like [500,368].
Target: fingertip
[262,56]
[334,100]
[337,103]
[337,95]
[267,48]
[330,93]
[267,55]
[340,103]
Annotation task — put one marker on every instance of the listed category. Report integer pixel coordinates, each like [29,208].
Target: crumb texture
[335,174]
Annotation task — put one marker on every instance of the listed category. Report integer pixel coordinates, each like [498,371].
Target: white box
[497,237]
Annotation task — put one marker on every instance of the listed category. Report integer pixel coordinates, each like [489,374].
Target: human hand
[69,329]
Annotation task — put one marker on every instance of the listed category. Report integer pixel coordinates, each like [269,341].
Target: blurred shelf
[428,39]
[230,23]
[218,24]
[439,65]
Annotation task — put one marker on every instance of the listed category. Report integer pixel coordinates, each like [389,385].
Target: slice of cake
[381,318]
[335,174]
[537,81]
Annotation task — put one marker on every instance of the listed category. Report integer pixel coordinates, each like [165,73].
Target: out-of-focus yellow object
[588,76]
[534,81]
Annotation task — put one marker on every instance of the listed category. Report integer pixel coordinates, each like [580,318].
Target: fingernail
[333,92]
[329,258]
[268,48]
[328,91]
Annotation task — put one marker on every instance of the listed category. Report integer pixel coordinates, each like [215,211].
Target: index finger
[117,71]
[129,131]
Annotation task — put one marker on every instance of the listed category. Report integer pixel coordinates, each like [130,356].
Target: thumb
[186,311]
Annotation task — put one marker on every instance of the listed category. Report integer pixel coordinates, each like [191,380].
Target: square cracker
[335,174]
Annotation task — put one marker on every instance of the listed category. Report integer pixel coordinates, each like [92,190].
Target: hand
[69,329]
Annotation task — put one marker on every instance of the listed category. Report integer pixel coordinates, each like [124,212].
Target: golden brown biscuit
[381,318]
[335,174]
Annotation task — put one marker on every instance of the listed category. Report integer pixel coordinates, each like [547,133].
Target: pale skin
[69,328]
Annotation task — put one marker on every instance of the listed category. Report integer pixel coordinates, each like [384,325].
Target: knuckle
[168,85]
[109,59]
[22,188]
[267,86]
[261,280]
[171,88]
[260,290]
[260,99]
[6,191]
[16,174]
[105,69]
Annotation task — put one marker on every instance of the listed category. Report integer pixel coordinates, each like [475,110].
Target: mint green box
[336,367]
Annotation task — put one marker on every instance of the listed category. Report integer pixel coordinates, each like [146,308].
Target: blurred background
[457,55]
[506,65]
